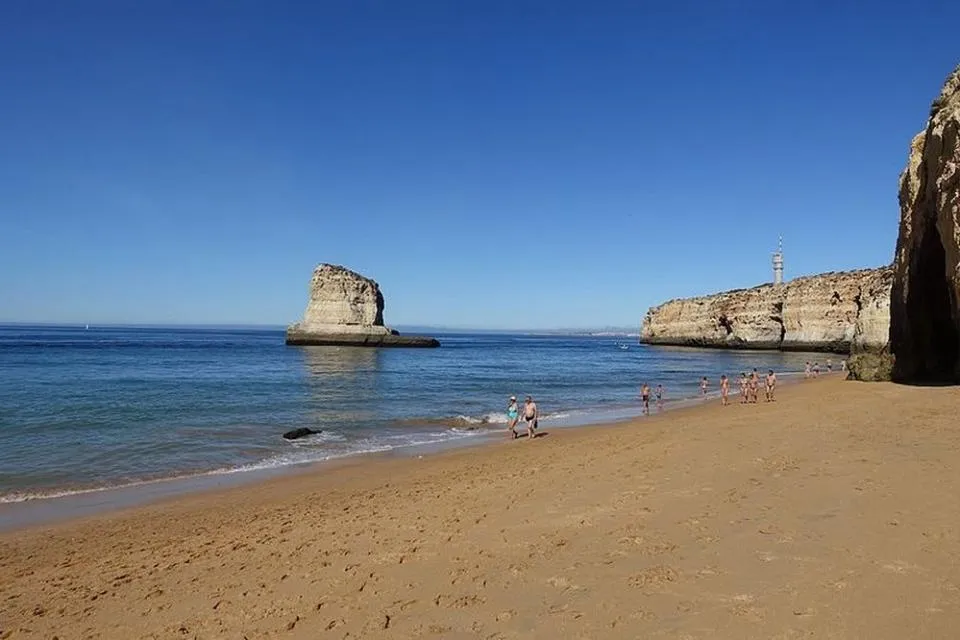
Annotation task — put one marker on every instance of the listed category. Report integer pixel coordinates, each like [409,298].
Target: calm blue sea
[82,409]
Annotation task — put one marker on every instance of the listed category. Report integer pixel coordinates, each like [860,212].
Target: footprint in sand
[653,577]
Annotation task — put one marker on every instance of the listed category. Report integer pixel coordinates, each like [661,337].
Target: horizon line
[239,325]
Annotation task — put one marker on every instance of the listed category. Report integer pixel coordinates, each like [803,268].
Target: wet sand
[831,513]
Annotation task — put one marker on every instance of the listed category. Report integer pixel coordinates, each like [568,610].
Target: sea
[89,409]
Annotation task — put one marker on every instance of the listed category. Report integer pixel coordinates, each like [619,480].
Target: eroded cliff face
[346,309]
[828,312]
[925,301]
[342,301]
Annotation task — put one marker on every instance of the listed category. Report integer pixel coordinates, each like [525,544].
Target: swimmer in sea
[703,386]
[659,397]
[645,398]
[531,415]
[743,388]
[724,389]
[771,385]
[513,416]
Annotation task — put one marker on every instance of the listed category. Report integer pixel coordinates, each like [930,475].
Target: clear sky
[491,163]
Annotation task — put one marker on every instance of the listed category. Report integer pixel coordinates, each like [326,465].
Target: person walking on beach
[806,370]
[724,389]
[659,397]
[771,385]
[754,386]
[531,415]
[829,365]
[645,398]
[513,416]
[743,387]
[703,386]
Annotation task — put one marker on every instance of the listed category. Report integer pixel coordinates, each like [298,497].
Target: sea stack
[346,309]
[925,300]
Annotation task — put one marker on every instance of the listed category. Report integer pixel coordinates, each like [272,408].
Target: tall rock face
[828,312]
[343,300]
[345,308]
[925,301]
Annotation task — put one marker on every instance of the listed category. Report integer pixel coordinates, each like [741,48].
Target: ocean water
[86,409]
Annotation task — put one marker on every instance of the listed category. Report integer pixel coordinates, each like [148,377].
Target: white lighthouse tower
[778,263]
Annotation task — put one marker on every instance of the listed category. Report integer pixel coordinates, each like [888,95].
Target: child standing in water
[724,389]
[703,386]
[659,397]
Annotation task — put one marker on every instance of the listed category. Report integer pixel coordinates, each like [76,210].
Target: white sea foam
[308,450]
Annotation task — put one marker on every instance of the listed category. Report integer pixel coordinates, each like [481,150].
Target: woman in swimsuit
[513,416]
[743,388]
[724,389]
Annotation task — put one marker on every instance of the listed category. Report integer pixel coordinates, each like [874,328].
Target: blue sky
[492,164]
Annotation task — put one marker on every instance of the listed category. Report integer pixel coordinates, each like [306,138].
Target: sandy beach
[831,513]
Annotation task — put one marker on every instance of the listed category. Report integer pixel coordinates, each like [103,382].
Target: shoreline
[72,505]
[722,522]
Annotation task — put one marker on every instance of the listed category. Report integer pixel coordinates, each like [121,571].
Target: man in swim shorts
[645,398]
[754,385]
[659,397]
[771,385]
[743,387]
[513,416]
[724,389]
[531,415]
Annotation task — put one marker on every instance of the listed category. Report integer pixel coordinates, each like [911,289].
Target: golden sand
[832,513]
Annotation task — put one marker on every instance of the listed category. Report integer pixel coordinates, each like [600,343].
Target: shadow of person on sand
[540,434]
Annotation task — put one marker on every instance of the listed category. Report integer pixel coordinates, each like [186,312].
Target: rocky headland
[925,301]
[345,308]
[831,312]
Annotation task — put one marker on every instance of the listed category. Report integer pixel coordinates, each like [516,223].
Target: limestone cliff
[925,301]
[828,312]
[345,308]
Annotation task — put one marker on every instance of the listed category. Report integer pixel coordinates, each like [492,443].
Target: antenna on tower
[778,263]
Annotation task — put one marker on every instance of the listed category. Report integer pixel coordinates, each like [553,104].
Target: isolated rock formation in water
[828,312]
[924,312]
[345,308]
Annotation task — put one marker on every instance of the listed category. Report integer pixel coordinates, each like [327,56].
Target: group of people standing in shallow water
[749,389]
[748,385]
